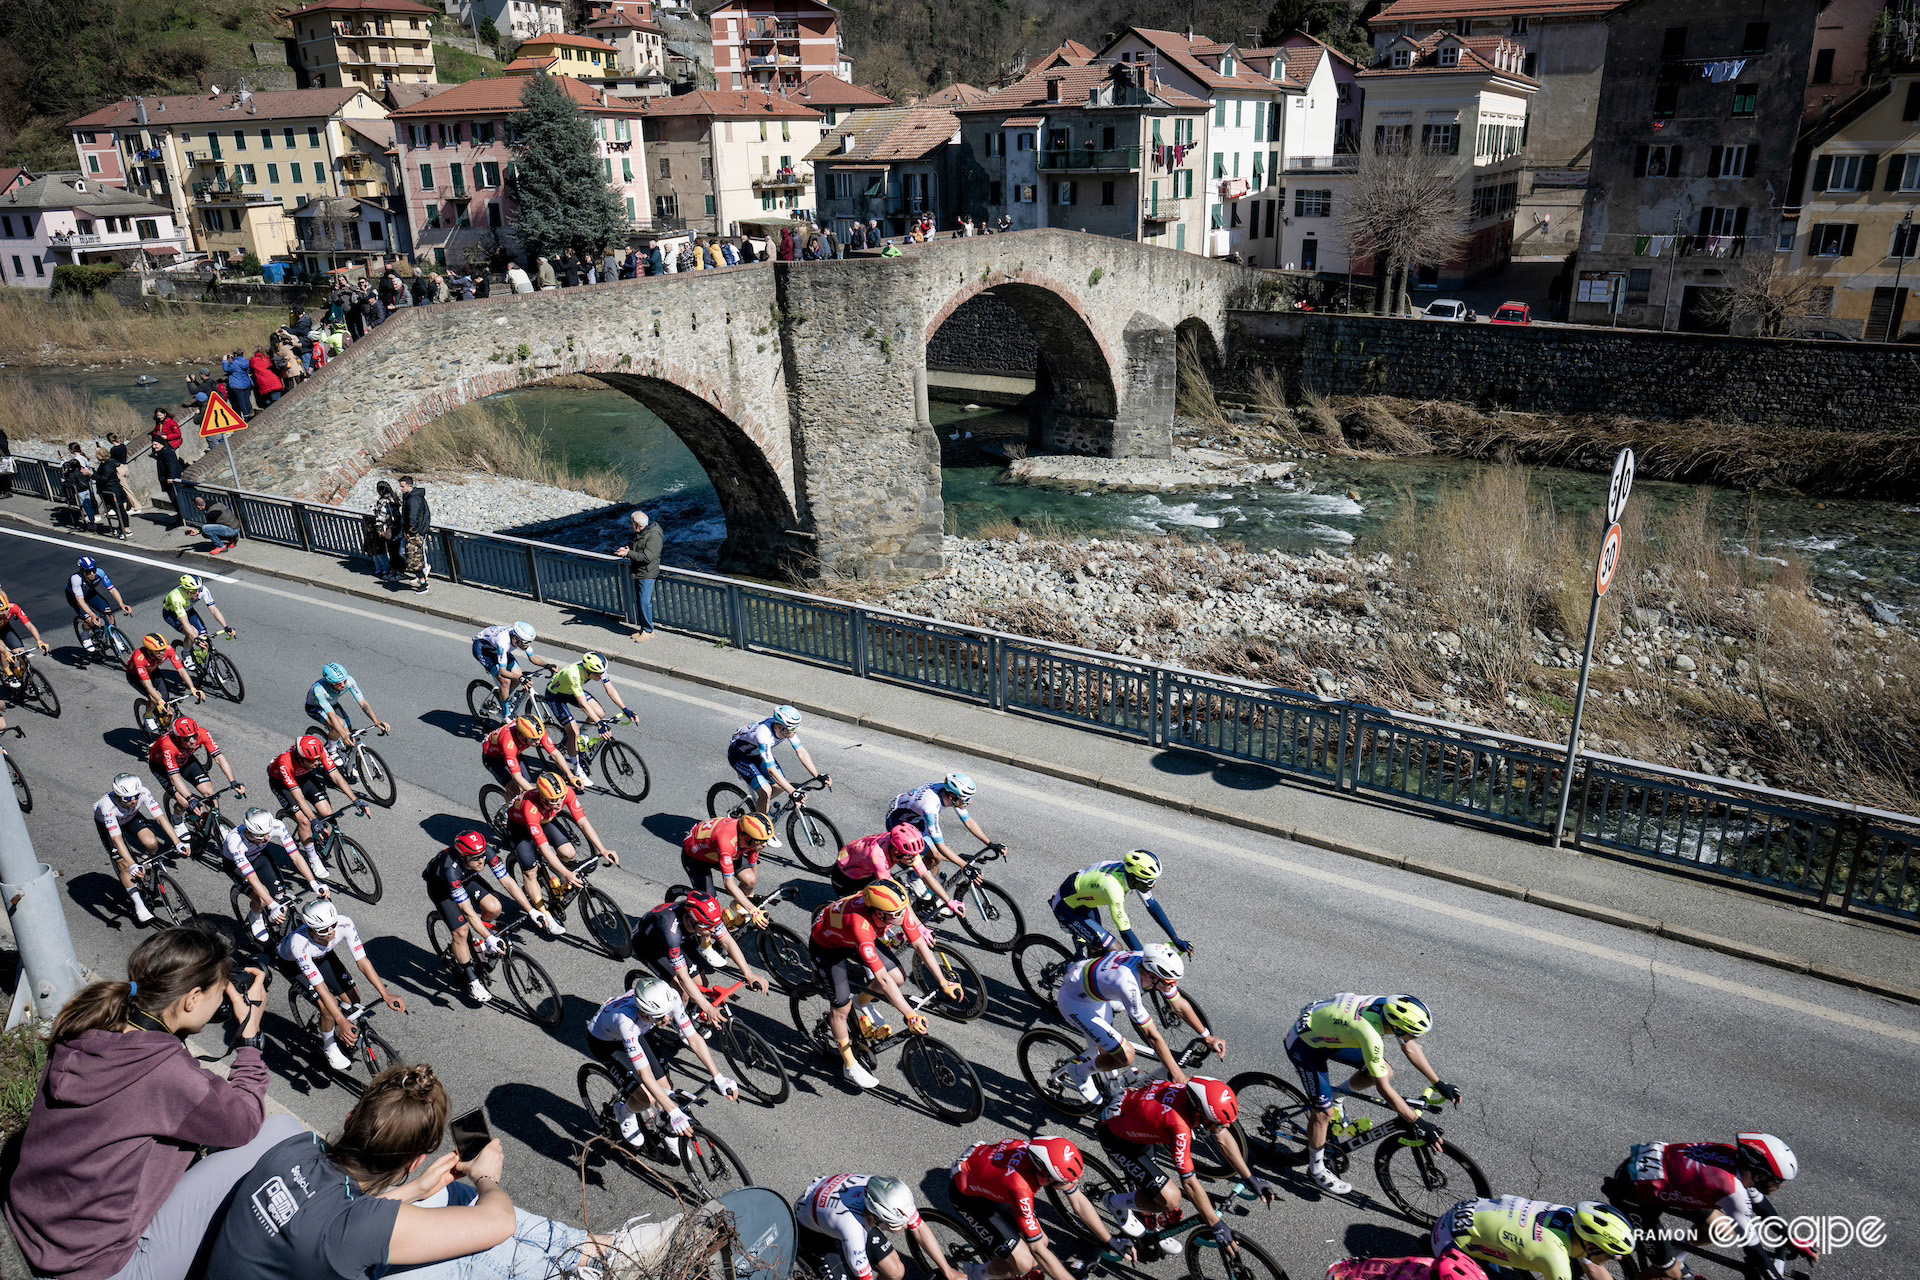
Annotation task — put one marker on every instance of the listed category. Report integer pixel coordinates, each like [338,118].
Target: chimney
[1053,88]
[139,109]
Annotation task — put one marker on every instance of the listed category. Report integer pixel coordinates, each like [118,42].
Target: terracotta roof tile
[367,6]
[725,104]
[1295,37]
[562,39]
[624,22]
[1075,82]
[1478,55]
[888,134]
[1449,10]
[201,108]
[824,89]
[527,66]
[954,95]
[1181,52]
[500,95]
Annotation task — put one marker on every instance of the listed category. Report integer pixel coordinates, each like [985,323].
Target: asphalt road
[1573,1040]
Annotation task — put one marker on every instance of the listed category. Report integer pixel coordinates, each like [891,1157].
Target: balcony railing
[784,179]
[1111,159]
[1164,209]
[220,187]
[1322,164]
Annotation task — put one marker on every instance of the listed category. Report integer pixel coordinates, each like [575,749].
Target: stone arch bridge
[800,387]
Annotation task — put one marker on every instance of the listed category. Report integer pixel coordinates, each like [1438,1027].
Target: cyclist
[1165,1114]
[181,608]
[128,810]
[567,693]
[617,1037]
[844,1220]
[299,777]
[16,626]
[1349,1029]
[500,651]
[1095,991]
[880,857]
[326,703]
[1534,1235]
[731,848]
[920,808]
[1081,897]
[460,880]
[247,857]
[660,942]
[1721,1189]
[94,597]
[855,930]
[149,662]
[993,1189]
[322,929]
[174,759]
[501,749]
[534,833]
[750,753]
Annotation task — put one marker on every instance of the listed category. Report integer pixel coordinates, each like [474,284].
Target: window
[18,270]
[1402,59]
[450,134]
[93,163]
[666,167]
[273,175]
[706,168]
[287,136]
[1639,285]
[1755,41]
[6,227]
[1730,162]
[377,231]
[1518,26]
[1674,45]
[1025,142]
[418,136]
[1107,193]
[313,136]
[666,207]
[295,167]
[457,175]
[1238,108]
[1666,100]
[1844,173]
[1744,97]
[239,140]
[1066,193]
[630,213]
[1784,244]
[426,177]
[39,265]
[1219,164]
[1906,238]
[266,139]
[626,169]
[1259,173]
[244,172]
[994,192]
[1440,139]
[606,168]
[1911,111]
[786,131]
[1313,204]
[483,133]
[1823,66]
[1903,173]
[763,131]
[1448,55]
[1392,138]
[1656,162]
[1832,239]
[707,204]
[1220,113]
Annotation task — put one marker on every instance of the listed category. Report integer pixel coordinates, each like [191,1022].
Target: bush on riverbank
[41,330]
[59,413]
[496,440]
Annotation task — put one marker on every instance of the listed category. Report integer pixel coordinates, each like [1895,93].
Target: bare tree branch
[1405,207]
[1758,291]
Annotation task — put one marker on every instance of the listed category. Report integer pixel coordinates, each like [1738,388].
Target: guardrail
[1824,854]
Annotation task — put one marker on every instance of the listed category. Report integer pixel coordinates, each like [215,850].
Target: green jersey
[1524,1235]
[176,603]
[1102,886]
[571,681]
[1347,1021]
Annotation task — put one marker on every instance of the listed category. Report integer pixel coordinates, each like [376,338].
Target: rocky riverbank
[487,504]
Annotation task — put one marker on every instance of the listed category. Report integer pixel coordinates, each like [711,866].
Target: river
[1850,544]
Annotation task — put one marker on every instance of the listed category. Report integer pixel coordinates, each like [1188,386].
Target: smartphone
[470,1134]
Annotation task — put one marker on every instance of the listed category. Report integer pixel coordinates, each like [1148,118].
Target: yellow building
[370,43]
[575,56]
[1855,233]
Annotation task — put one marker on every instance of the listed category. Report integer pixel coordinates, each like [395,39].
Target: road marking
[96,552]
[1334,879]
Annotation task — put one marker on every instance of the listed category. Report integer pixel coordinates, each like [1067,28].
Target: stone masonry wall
[984,336]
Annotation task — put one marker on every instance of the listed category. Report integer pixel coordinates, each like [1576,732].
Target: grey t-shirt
[294,1216]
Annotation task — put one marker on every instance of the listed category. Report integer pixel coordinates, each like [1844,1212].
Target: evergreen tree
[564,199]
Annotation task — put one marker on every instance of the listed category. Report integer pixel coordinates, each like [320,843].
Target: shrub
[82,281]
[249,265]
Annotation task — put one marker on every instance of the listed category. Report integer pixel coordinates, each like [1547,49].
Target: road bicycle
[1048,1058]
[152,719]
[205,825]
[708,1164]
[779,950]
[102,641]
[25,686]
[811,835]
[1646,1254]
[755,1063]
[615,765]
[286,898]
[371,1053]
[604,918]
[527,978]
[936,1072]
[993,918]
[21,791]
[1041,963]
[213,670]
[358,872]
[153,879]
[1203,1258]
[483,703]
[1422,1182]
[364,767]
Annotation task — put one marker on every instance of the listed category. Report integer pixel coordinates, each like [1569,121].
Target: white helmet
[652,996]
[320,916]
[524,633]
[127,788]
[890,1202]
[258,823]
[1766,1155]
[786,717]
[1163,962]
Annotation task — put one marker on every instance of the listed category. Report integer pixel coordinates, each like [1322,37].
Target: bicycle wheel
[357,869]
[146,720]
[993,919]
[21,791]
[240,901]
[439,937]
[1044,1058]
[1208,1261]
[376,779]
[1040,963]
[814,839]
[811,1012]
[709,1164]
[304,1012]
[624,771]
[168,901]
[943,1079]
[225,679]
[118,642]
[372,1054]
[606,922]
[1426,1183]
[1097,1182]
[483,704]
[1169,1017]
[726,800]
[956,968]
[955,1241]
[534,989]
[598,1094]
[40,694]
[81,635]
[755,1062]
[1274,1116]
[493,807]
[784,955]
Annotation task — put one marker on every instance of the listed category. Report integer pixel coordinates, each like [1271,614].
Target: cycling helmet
[153,642]
[185,729]
[1603,1228]
[469,844]
[1455,1265]
[190,584]
[4,602]
[890,1203]
[1163,962]
[526,729]
[886,897]
[1212,1100]
[258,823]
[523,633]
[652,996]
[335,675]
[786,717]
[906,842]
[320,916]
[1058,1160]
[594,663]
[958,785]
[87,565]
[1406,1015]
[310,748]
[702,911]
[1142,868]
[126,787]
[1766,1155]
[753,829]
[552,790]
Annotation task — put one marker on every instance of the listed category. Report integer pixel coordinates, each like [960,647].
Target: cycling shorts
[562,706]
[313,787]
[526,854]
[501,775]
[171,684]
[1645,1215]
[494,665]
[333,972]
[834,967]
[844,884]
[1137,1162]
[612,1055]
[130,832]
[987,1221]
[264,867]
[97,602]
[315,714]
[479,888]
[193,615]
[911,817]
[823,1250]
[753,770]
[190,768]
[1083,925]
[704,877]
[1312,1064]
[1094,1018]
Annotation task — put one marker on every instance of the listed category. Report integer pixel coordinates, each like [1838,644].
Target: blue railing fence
[1825,854]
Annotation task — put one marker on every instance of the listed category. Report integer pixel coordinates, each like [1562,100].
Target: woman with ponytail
[107,1187]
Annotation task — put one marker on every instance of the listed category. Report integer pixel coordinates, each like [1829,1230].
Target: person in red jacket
[165,429]
[501,750]
[266,383]
[995,1188]
[103,1190]
[534,832]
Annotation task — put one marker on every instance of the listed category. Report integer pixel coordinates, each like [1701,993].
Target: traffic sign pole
[226,439]
[1606,564]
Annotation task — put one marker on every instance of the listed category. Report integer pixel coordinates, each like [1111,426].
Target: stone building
[719,158]
[1841,37]
[891,165]
[775,44]
[368,43]
[1701,101]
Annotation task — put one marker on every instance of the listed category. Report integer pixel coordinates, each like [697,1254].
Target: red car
[1512,313]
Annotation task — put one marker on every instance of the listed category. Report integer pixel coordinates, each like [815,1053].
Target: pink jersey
[868,858]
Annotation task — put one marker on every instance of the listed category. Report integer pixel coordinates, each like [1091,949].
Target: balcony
[783,31]
[74,240]
[1323,164]
[782,180]
[221,186]
[1091,160]
[1170,209]
[762,61]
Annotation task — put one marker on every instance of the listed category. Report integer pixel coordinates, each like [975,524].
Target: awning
[853,168]
[162,251]
[1027,120]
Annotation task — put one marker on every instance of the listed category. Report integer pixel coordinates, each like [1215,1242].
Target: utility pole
[49,971]
[1900,266]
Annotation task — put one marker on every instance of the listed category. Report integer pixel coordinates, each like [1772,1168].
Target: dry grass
[497,440]
[1267,393]
[36,330]
[1193,392]
[1321,423]
[59,413]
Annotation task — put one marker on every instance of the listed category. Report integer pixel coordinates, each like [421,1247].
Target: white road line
[89,548]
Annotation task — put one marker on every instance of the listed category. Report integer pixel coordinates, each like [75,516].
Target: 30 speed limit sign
[1620,486]
[1609,561]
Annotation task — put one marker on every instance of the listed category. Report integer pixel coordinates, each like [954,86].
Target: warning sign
[220,417]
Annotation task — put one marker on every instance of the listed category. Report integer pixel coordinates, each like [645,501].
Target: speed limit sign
[1609,561]
[1620,486]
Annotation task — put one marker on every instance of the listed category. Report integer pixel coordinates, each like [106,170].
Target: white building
[514,19]
[64,219]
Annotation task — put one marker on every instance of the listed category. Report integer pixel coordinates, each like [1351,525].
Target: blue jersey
[924,803]
[321,700]
[78,590]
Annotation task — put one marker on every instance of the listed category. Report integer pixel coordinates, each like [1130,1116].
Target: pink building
[455,161]
[775,44]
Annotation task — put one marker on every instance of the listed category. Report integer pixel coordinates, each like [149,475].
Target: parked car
[1513,313]
[1447,309]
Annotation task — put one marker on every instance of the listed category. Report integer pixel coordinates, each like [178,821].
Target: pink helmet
[906,842]
[1455,1265]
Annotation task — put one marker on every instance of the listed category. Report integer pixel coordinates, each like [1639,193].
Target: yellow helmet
[753,829]
[886,897]
[153,642]
[4,602]
[552,790]
[527,729]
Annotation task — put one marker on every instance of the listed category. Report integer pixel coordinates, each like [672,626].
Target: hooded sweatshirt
[115,1124]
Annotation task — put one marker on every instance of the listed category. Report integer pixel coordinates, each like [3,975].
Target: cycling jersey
[78,589]
[142,667]
[1524,1235]
[850,925]
[1104,885]
[168,753]
[239,849]
[495,643]
[1005,1174]
[659,938]
[868,858]
[757,741]
[1150,1116]
[501,747]
[572,680]
[178,604]
[716,843]
[446,876]
[15,619]
[924,804]
[837,1206]
[619,1020]
[321,699]
[288,770]
[1691,1178]
[109,814]
[301,951]
[526,816]
[1113,978]
[1347,1021]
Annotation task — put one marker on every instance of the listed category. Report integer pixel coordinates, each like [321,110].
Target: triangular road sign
[220,417]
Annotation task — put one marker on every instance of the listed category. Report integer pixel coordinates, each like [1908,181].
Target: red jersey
[140,667]
[849,925]
[1151,1116]
[15,616]
[526,815]
[502,748]
[288,770]
[716,842]
[1687,1177]
[168,753]
[1004,1173]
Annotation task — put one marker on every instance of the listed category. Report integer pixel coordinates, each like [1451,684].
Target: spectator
[353,312]
[714,260]
[386,523]
[376,310]
[656,263]
[421,288]
[569,269]
[460,287]
[834,248]
[728,254]
[440,291]
[643,550]
[76,485]
[7,467]
[339,298]
[301,327]
[683,260]
[114,498]
[749,251]
[483,282]
[213,523]
[786,250]
[168,469]
[517,278]
[630,265]
[107,1183]
[265,381]
[543,277]
[240,383]
[417,518]
[609,266]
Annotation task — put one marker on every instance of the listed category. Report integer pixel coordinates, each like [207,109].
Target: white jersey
[620,1019]
[240,849]
[303,953]
[837,1206]
[756,741]
[1111,979]
[925,803]
[110,815]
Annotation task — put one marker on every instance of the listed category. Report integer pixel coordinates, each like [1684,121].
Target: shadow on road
[457,723]
[670,827]
[100,896]
[127,740]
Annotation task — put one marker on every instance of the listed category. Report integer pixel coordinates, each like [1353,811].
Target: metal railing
[1826,854]
[1096,158]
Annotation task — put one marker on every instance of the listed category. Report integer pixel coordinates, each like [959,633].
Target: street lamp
[1904,242]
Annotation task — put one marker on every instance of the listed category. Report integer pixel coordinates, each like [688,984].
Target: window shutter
[1640,161]
[1673,162]
[1846,240]
[1912,110]
[1714,160]
[1822,170]
[1866,173]
[1746,166]
[1896,167]
[1706,221]
[1073,193]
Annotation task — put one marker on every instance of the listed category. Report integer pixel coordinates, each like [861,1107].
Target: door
[1309,255]
[1883,320]
[1695,304]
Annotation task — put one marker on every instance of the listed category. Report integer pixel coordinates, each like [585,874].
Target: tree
[564,200]
[490,33]
[1403,207]
[1761,296]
